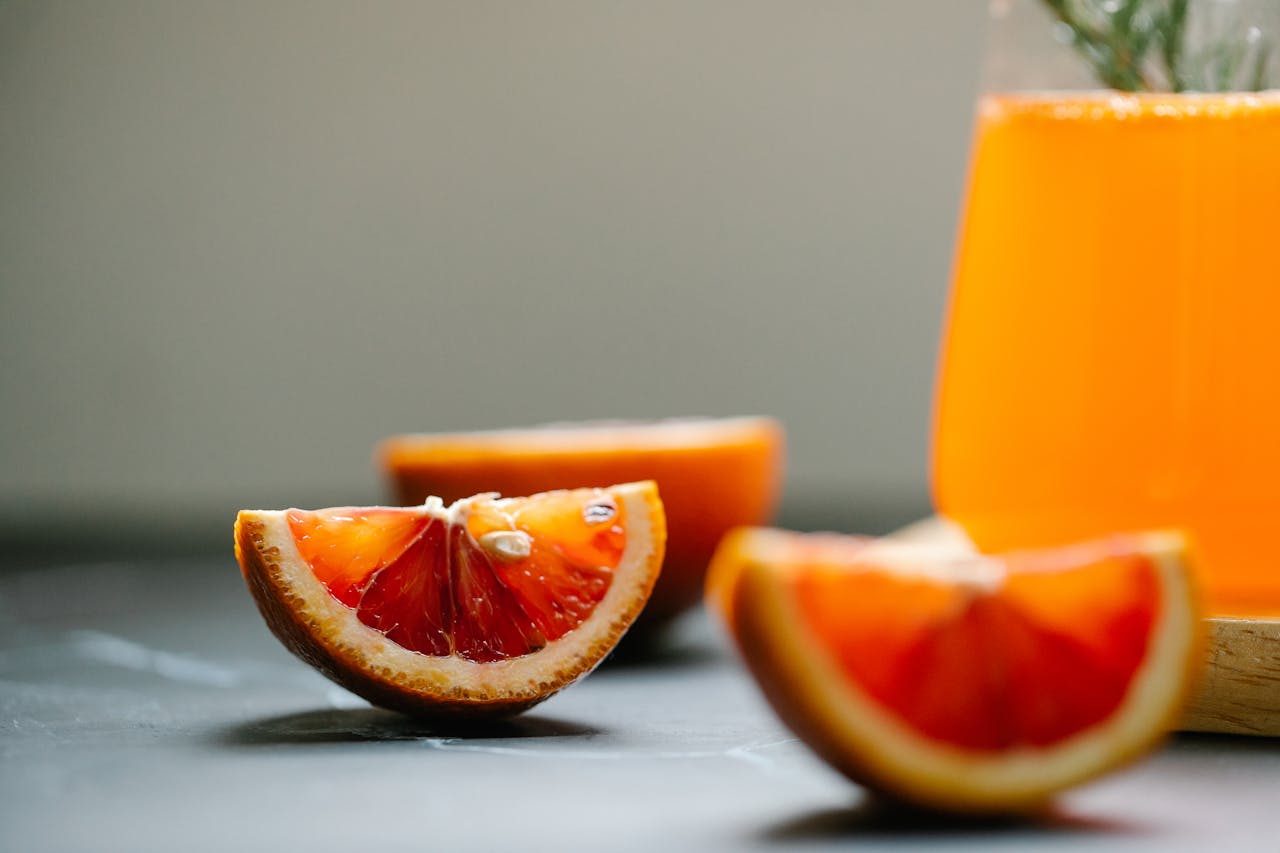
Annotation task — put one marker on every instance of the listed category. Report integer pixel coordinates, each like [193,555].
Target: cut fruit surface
[486,606]
[968,682]
[714,474]
[777,549]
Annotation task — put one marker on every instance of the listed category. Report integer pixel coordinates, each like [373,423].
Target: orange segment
[345,545]
[412,600]
[574,547]
[961,681]
[480,608]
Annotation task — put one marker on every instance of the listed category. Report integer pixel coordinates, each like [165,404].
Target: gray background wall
[241,241]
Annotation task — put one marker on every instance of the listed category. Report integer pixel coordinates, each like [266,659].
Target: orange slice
[484,607]
[964,682]
[714,474]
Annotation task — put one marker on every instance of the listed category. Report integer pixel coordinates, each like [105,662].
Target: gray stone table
[145,707]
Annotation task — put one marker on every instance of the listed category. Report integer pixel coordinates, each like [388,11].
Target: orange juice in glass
[1112,353]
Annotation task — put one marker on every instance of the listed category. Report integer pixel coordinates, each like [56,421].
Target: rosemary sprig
[1171,46]
[1142,46]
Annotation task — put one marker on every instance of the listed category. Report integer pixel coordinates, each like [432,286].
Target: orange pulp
[1030,660]
[433,586]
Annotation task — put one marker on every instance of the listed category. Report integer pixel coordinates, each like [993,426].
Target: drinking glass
[1111,357]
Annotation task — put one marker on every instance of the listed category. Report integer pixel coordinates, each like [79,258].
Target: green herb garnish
[1143,46]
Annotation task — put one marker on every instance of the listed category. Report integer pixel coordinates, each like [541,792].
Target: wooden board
[1239,690]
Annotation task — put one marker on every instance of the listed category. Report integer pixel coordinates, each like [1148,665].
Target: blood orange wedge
[481,608]
[963,682]
[714,474]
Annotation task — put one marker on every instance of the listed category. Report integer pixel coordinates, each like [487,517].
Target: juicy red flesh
[408,600]
[1044,657]
[431,587]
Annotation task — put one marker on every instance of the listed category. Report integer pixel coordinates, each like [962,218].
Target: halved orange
[481,608]
[714,474]
[964,682]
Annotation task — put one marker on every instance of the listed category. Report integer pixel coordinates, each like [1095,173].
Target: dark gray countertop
[145,707]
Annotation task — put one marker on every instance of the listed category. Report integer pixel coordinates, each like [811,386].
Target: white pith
[938,562]
[948,776]
[338,627]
